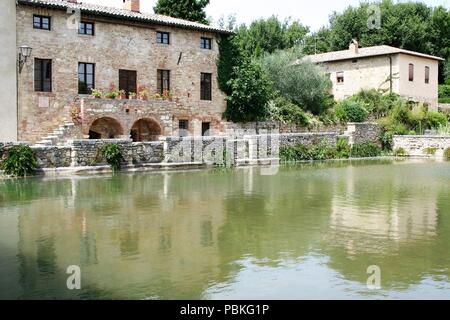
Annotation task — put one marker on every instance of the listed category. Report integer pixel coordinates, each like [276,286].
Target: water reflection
[309,232]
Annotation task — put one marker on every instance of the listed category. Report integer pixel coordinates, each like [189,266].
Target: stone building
[410,74]
[78,47]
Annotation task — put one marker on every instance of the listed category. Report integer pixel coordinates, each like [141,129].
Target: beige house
[410,74]
[78,47]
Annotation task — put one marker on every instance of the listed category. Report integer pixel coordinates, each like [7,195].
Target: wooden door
[127,81]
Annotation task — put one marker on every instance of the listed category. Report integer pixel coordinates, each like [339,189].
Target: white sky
[313,13]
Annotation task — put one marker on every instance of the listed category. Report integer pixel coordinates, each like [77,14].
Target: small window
[355,61]
[41,22]
[42,75]
[206,43]
[411,72]
[205,86]
[206,128]
[183,128]
[340,77]
[86,28]
[427,75]
[86,78]
[163,37]
[163,81]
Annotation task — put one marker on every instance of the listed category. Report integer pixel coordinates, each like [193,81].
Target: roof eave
[123,18]
[379,55]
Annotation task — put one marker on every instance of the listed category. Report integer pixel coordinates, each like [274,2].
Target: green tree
[301,82]
[193,10]
[250,93]
[269,35]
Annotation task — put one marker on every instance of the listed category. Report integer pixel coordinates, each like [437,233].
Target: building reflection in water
[174,235]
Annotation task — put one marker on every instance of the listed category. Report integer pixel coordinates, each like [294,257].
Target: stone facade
[116,45]
[422,146]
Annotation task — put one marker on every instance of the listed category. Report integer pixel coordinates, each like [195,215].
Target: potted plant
[132,95]
[96,93]
[122,94]
[143,93]
[112,94]
[167,95]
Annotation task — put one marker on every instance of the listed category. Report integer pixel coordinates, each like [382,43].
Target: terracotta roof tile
[364,52]
[124,14]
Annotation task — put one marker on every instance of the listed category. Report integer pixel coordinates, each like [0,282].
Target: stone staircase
[60,135]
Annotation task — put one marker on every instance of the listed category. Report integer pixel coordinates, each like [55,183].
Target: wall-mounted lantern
[24,54]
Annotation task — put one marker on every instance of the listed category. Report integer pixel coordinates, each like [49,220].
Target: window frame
[160,37]
[340,75]
[160,80]
[427,75]
[411,72]
[89,90]
[43,79]
[204,41]
[85,29]
[41,24]
[205,95]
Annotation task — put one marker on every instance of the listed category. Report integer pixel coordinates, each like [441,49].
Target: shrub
[400,152]
[285,111]
[351,111]
[365,150]
[343,148]
[447,153]
[20,161]
[300,152]
[436,119]
[430,151]
[113,156]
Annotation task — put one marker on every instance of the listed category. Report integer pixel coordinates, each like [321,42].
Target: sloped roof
[364,53]
[112,12]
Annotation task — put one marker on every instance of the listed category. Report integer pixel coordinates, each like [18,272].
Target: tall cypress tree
[192,10]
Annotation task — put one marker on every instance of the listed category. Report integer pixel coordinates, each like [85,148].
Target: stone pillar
[8,65]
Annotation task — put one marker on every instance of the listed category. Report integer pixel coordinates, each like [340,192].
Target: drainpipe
[390,74]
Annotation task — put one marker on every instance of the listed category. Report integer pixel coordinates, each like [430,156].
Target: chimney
[132,5]
[354,46]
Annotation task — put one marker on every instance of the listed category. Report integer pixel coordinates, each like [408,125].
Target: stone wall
[47,157]
[363,132]
[53,157]
[89,152]
[248,149]
[264,127]
[422,145]
[125,45]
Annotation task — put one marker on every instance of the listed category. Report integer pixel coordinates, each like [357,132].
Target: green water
[310,231]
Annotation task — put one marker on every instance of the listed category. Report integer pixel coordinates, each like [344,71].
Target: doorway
[127,81]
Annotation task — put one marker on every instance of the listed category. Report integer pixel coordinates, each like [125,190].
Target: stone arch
[145,129]
[105,128]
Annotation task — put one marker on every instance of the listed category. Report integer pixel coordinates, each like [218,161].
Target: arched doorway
[105,128]
[145,130]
